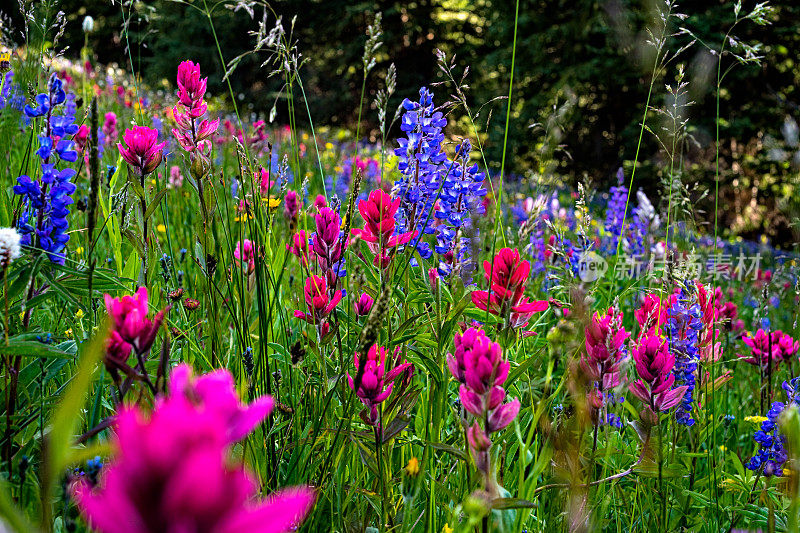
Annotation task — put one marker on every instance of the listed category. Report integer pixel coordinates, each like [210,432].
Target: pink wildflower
[245,253]
[110,128]
[143,151]
[193,136]
[171,470]
[175,177]
[291,206]
[363,305]
[604,349]
[762,349]
[376,384]
[507,275]
[479,365]
[654,364]
[319,304]
[129,317]
[378,212]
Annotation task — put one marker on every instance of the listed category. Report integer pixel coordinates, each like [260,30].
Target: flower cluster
[171,469]
[376,383]
[328,245]
[245,253]
[654,365]
[130,330]
[43,222]
[420,164]
[378,212]
[319,303]
[771,454]
[477,363]
[775,346]
[460,199]
[505,298]
[682,327]
[141,150]
[615,213]
[192,133]
[605,350]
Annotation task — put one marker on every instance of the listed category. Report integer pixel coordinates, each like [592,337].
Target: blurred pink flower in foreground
[171,470]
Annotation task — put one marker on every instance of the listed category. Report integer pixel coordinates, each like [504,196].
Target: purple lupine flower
[420,164]
[460,200]
[771,454]
[682,326]
[43,222]
[615,213]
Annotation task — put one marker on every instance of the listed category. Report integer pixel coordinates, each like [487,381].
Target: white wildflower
[9,246]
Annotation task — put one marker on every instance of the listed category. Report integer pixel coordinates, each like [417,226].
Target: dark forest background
[582,61]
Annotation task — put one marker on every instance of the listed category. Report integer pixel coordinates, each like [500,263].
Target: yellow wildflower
[755,419]
[447,529]
[68,333]
[412,468]
[272,202]
[161,228]
[329,146]
[79,250]
[79,314]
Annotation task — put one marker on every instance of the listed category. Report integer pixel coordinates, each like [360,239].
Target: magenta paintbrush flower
[378,212]
[363,304]
[651,314]
[605,349]
[319,304]
[192,134]
[245,253]
[129,318]
[479,365]
[171,470]
[507,275]
[376,383]
[787,346]
[142,151]
[291,206]
[326,243]
[299,247]
[654,364]
[762,349]
[191,88]
[118,351]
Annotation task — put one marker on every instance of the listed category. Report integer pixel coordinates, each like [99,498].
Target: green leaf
[32,348]
[9,513]
[64,420]
[153,204]
[512,503]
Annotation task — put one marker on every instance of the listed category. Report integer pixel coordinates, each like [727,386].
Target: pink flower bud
[364,304]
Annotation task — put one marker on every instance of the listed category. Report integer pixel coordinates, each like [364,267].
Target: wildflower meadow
[229,305]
